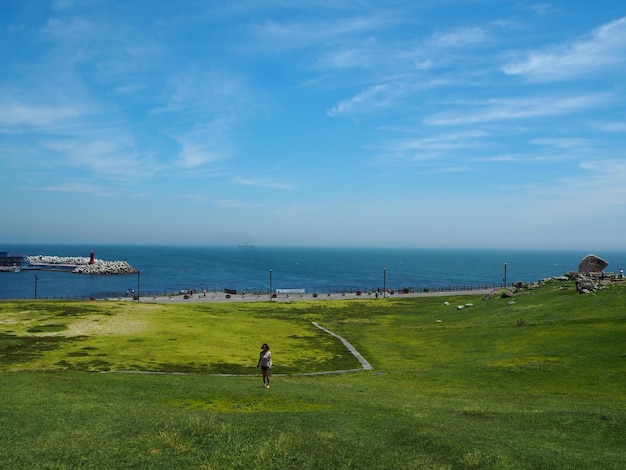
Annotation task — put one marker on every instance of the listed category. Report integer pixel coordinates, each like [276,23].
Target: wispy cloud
[68,30]
[604,49]
[236,204]
[374,97]
[406,58]
[65,4]
[449,169]
[196,197]
[538,157]
[204,93]
[47,112]
[263,183]
[194,155]
[292,35]
[79,187]
[202,145]
[427,148]
[349,57]
[615,168]
[204,106]
[599,189]
[460,38]
[614,126]
[114,158]
[517,108]
[567,142]
[540,8]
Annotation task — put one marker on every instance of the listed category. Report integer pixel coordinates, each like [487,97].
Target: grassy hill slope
[540,383]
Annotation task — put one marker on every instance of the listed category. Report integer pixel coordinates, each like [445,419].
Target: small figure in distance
[265,363]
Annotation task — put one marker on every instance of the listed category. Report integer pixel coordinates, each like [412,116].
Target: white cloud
[114,157]
[196,155]
[23,116]
[615,126]
[570,143]
[460,38]
[374,97]
[73,30]
[69,4]
[598,186]
[517,108]
[206,91]
[205,143]
[299,34]
[235,204]
[449,169]
[614,169]
[347,57]
[196,197]
[428,148]
[263,183]
[80,187]
[605,49]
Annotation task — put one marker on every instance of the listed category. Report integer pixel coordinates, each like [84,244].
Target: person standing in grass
[265,363]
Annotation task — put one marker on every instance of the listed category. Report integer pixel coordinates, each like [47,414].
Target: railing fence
[266,292]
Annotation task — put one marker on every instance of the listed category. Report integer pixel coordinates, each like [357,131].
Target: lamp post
[504,275]
[384,282]
[36,282]
[138,285]
[270,285]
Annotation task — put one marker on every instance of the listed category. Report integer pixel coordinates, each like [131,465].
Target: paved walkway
[366,365]
[283,298]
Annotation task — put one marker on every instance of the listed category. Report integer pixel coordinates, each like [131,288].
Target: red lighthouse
[92,257]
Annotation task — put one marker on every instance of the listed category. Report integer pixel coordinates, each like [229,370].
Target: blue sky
[478,123]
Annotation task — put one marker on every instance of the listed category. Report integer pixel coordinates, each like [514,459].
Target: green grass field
[539,384]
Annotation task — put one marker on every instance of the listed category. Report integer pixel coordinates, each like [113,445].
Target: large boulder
[592,264]
[585,285]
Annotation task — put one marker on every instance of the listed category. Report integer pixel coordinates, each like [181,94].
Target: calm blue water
[172,268]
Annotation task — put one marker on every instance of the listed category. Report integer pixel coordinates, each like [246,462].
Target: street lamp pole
[384,282]
[138,285]
[270,285]
[36,282]
[504,275]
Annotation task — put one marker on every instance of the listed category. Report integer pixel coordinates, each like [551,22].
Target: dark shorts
[265,368]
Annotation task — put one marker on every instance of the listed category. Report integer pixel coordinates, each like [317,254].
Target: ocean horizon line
[312,246]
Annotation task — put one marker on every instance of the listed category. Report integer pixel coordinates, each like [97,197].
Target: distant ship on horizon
[245,245]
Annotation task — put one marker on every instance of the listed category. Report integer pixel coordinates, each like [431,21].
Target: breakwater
[79,265]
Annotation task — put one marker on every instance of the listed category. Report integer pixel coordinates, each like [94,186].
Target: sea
[248,269]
